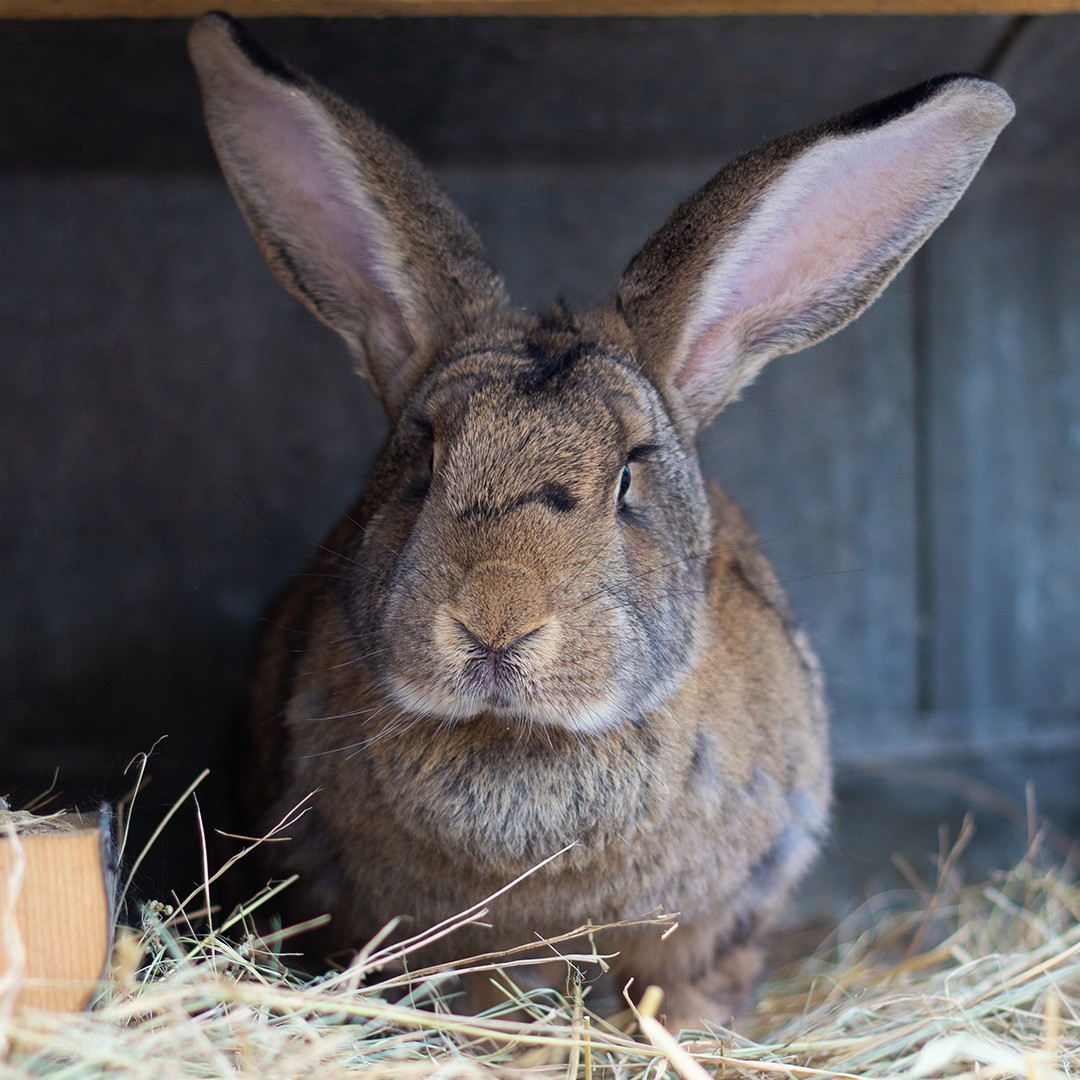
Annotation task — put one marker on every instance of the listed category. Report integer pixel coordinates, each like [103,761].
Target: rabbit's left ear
[349,222]
[791,242]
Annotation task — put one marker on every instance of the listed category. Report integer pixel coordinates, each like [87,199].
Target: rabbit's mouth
[496,680]
[480,692]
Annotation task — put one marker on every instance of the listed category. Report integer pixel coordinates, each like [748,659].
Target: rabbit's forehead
[589,394]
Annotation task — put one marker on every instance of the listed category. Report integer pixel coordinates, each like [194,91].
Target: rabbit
[540,628]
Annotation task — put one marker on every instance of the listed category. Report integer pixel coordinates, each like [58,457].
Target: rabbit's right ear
[791,242]
[349,222]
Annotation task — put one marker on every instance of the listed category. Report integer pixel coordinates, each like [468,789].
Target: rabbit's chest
[500,800]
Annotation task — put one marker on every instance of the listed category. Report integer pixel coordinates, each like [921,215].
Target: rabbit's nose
[493,653]
[497,605]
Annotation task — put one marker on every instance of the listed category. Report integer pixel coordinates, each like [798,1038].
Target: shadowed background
[176,434]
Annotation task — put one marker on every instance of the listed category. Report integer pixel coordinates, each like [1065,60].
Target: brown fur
[498,656]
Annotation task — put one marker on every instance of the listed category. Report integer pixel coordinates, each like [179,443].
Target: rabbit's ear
[791,242]
[348,221]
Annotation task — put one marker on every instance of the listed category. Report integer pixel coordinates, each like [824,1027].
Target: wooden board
[98,9]
[1003,368]
[55,915]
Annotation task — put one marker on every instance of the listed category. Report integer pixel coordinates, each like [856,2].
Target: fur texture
[538,628]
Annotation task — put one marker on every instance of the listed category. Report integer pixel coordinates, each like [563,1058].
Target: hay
[26,823]
[964,983]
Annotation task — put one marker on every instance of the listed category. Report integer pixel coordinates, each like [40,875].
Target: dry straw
[958,982]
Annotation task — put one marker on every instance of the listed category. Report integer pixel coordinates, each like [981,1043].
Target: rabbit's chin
[582,717]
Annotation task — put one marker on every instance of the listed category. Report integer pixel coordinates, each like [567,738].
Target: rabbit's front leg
[706,982]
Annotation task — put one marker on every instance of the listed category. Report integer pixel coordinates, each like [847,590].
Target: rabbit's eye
[642,451]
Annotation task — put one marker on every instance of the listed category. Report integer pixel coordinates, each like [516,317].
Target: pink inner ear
[308,190]
[832,223]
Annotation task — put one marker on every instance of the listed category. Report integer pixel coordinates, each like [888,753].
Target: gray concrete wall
[176,434]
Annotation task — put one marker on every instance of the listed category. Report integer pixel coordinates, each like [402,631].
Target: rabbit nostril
[475,643]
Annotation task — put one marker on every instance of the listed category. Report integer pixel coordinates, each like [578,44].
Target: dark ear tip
[211,30]
[219,26]
[978,85]
[991,97]
[987,105]
[212,24]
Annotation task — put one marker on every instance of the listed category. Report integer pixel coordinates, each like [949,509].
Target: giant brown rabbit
[540,628]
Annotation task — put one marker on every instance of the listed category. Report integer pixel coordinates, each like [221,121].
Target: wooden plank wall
[176,434]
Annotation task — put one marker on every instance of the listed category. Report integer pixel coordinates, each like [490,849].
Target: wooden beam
[99,9]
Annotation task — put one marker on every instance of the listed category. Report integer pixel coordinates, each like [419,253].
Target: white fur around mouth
[588,718]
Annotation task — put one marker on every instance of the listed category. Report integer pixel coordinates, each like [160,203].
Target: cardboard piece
[56,897]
